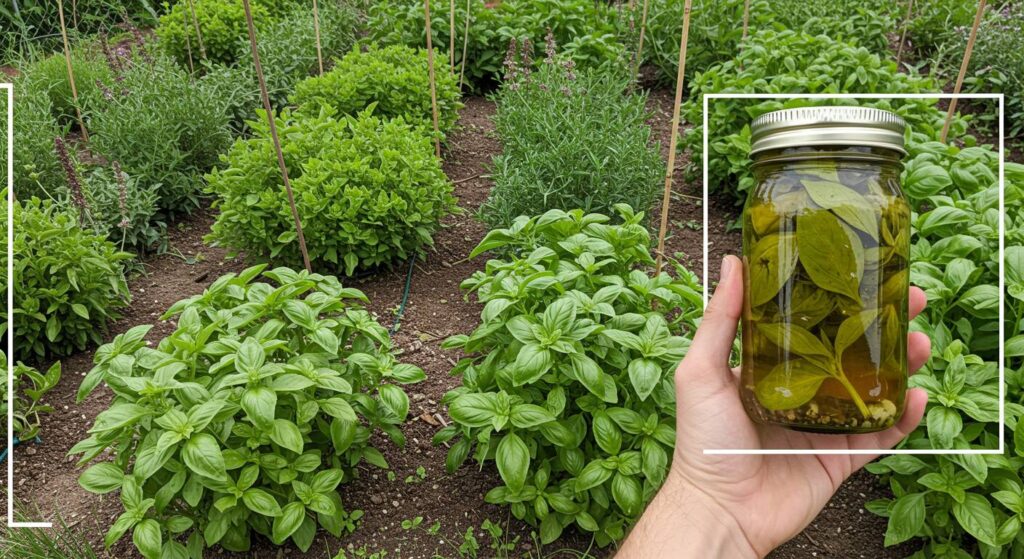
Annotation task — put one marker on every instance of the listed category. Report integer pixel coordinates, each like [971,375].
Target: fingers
[713,340]
[919,349]
[918,300]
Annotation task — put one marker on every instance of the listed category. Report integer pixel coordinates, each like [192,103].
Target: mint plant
[370,192]
[30,386]
[247,417]
[394,80]
[68,282]
[567,383]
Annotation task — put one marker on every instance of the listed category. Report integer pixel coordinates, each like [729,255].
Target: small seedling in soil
[392,476]
[411,523]
[421,474]
[361,553]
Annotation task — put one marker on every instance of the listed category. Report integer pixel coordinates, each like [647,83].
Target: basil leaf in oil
[799,341]
[771,263]
[853,328]
[790,384]
[807,306]
[832,257]
[846,203]
[763,217]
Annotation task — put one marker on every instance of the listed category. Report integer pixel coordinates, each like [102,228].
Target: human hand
[746,505]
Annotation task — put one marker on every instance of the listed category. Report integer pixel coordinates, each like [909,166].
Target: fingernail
[727,265]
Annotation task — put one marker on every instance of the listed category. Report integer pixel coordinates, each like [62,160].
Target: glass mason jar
[826,247]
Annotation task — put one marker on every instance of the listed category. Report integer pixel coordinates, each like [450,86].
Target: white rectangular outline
[10,317]
[1002,276]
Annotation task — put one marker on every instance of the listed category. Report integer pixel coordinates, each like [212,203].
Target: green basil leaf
[148,538]
[529,415]
[853,208]
[513,461]
[770,265]
[829,254]
[644,375]
[101,478]
[287,434]
[395,400]
[799,341]
[260,403]
[531,364]
[905,519]
[201,453]
[975,515]
[944,424]
[259,501]
[790,384]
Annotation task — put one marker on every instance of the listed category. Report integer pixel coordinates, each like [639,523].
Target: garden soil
[47,478]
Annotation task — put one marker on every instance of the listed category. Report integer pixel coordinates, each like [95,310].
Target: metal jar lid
[820,126]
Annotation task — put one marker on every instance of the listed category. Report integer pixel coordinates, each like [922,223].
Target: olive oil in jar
[826,247]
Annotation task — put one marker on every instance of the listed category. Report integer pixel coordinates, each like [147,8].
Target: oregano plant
[247,417]
[567,383]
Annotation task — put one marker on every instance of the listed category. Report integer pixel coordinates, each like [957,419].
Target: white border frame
[1002,273]
[10,317]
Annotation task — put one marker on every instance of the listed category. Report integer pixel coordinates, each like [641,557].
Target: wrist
[684,521]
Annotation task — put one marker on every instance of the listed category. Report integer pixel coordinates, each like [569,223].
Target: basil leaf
[847,204]
[975,515]
[799,341]
[202,455]
[790,385]
[905,519]
[832,258]
[513,460]
[853,328]
[771,264]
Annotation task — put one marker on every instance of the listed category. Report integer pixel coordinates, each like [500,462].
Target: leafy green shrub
[997,63]
[37,172]
[221,23]
[394,79]
[935,23]
[963,506]
[247,417]
[567,385]
[68,283]
[122,210]
[29,388]
[570,141]
[50,77]
[792,62]
[165,131]
[592,32]
[369,192]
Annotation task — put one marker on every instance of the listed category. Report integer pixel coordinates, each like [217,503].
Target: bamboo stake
[74,13]
[188,51]
[903,35]
[746,26]
[673,138]
[640,44]
[963,69]
[451,36]
[433,86]
[465,45]
[746,18]
[199,35]
[273,133]
[316,29]
[71,72]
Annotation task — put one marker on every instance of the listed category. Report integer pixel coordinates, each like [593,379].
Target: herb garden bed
[435,310]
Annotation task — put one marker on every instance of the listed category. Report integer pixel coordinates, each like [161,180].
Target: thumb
[713,340]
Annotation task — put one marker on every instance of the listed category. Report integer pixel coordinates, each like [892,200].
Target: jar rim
[827,125]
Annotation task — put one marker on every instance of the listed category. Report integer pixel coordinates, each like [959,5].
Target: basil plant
[567,383]
[247,417]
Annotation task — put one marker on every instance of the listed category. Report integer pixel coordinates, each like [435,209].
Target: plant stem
[853,393]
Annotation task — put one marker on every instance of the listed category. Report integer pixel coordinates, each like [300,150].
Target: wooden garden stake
[963,69]
[465,45]
[433,85]
[71,72]
[195,23]
[747,17]
[640,43]
[273,133]
[673,138]
[316,29]
[746,26]
[451,36]
[903,34]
